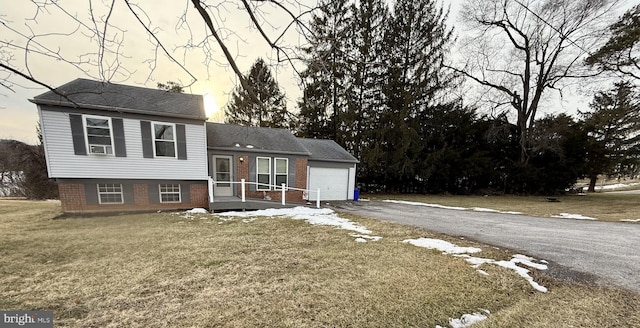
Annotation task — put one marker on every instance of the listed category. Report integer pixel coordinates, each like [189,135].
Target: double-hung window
[99,135]
[170,193]
[164,139]
[264,173]
[281,172]
[110,193]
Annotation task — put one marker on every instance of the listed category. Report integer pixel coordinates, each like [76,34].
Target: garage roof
[326,150]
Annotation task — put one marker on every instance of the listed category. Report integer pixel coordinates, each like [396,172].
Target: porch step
[235,203]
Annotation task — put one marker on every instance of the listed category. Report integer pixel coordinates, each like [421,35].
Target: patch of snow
[323,216]
[365,237]
[475,209]
[197,210]
[441,245]
[449,248]
[482,272]
[426,204]
[361,240]
[616,186]
[524,273]
[630,220]
[466,320]
[573,216]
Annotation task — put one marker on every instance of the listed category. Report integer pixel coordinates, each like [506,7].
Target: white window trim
[275,171]
[153,138]
[121,193]
[258,186]
[86,134]
[160,193]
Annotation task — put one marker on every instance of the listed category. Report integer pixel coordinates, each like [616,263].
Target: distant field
[602,206]
[169,270]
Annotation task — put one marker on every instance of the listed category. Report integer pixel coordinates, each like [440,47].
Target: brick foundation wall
[72,196]
[73,199]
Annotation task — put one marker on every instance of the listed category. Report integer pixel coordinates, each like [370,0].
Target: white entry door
[223,175]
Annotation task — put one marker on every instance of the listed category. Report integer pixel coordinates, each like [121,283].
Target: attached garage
[331,169]
[334,183]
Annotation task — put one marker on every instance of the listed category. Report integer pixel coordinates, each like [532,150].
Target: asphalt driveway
[606,253]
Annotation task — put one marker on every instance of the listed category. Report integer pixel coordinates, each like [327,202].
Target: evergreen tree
[416,42]
[365,77]
[614,132]
[268,107]
[324,98]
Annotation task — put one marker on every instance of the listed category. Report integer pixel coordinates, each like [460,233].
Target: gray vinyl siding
[63,163]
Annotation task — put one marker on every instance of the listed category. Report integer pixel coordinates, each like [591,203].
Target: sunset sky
[67,31]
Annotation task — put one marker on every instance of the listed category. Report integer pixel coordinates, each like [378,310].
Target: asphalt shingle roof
[326,150]
[124,98]
[248,138]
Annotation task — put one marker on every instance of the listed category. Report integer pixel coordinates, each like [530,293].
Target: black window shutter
[185,195]
[154,193]
[252,172]
[77,134]
[147,140]
[182,141]
[91,193]
[118,137]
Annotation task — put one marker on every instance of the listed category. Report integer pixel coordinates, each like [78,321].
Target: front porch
[231,203]
[244,202]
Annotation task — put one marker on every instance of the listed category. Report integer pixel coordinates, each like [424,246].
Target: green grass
[164,270]
[602,206]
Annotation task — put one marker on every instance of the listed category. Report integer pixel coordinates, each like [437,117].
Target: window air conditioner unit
[99,149]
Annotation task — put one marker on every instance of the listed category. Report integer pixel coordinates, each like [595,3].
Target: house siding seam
[73,197]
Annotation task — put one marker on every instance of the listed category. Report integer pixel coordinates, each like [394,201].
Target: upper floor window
[164,139]
[264,173]
[282,171]
[99,135]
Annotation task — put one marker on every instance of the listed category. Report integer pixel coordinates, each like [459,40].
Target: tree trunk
[592,183]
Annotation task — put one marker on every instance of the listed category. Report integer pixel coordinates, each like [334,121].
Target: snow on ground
[617,186]
[466,320]
[312,216]
[449,248]
[630,220]
[573,216]
[441,245]
[475,209]
[481,209]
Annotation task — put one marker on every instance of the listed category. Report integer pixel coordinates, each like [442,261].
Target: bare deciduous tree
[520,49]
[94,38]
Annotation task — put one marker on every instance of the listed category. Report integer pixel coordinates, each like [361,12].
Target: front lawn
[199,270]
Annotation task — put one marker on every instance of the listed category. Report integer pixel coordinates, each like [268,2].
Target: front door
[222,174]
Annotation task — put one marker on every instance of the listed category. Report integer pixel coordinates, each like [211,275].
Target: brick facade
[74,199]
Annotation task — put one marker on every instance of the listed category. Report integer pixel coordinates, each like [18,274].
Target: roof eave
[351,161]
[113,109]
[257,150]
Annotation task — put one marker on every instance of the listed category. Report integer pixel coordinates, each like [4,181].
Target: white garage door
[333,183]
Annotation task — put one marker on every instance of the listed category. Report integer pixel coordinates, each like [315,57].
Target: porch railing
[243,189]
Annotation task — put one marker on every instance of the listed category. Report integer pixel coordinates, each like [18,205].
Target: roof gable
[124,98]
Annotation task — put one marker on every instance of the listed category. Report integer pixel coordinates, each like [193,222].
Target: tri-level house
[114,147]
